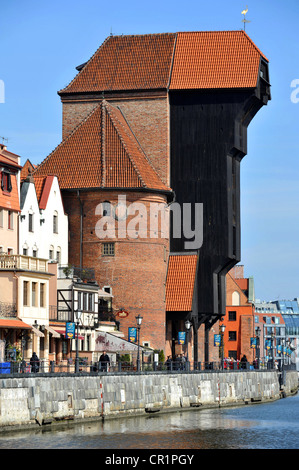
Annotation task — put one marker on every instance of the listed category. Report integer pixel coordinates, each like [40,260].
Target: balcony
[74,272]
[28,263]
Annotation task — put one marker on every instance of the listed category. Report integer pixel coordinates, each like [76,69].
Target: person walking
[34,362]
[104,362]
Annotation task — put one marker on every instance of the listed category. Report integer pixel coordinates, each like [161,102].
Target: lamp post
[139,321]
[222,329]
[78,316]
[257,335]
[187,326]
[272,349]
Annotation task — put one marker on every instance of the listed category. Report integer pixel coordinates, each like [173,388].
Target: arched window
[236,298]
[55,222]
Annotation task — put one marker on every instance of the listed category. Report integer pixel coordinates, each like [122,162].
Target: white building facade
[43,228]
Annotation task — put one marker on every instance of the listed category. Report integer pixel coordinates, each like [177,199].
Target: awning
[108,342]
[37,332]
[62,332]
[18,324]
[53,332]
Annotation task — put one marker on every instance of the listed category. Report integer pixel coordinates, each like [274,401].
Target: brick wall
[137,271]
[147,117]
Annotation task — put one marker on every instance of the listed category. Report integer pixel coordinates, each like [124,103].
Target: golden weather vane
[244,19]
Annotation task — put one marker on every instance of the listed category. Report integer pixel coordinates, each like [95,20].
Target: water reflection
[264,426]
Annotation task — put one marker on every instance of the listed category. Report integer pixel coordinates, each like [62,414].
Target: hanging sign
[132,335]
[253,343]
[122,314]
[217,340]
[279,349]
[70,330]
[181,337]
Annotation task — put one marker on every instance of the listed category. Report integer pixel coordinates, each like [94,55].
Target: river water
[272,425]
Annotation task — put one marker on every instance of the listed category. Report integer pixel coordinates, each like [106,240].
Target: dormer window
[6,182]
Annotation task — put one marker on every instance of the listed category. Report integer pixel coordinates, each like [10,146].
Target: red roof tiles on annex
[87,160]
[180,282]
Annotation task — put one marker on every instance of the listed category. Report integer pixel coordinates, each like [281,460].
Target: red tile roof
[186,60]
[219,59]
[127,63]
[180,282]
[101,152]
[27,169]
[10,200]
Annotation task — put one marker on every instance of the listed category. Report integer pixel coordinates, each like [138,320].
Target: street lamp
[222,329]
[187,326]
[78,316]
[139,321]
[257,334]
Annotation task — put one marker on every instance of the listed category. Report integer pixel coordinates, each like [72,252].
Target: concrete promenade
[48,399]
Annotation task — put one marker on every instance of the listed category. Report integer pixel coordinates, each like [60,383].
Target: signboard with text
[70,330]
[132,335]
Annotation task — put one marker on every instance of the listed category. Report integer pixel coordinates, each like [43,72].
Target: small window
[232,316]
[55,223]
[90,302]
[30,223]
[10,220]
[1,217]
[25,251]
[108,249]
[79,300]
[232,336]
[25,293]
[85,301]
[6,182]
[42,294]
[232,354]
[34,253]
[236,298]
[33,294]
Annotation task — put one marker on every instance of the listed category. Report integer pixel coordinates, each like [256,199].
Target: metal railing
[68,366]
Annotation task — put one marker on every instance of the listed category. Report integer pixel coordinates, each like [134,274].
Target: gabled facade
[9,200]
[43,226]
[239,319]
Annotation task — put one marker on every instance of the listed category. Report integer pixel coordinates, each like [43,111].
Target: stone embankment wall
[45,399]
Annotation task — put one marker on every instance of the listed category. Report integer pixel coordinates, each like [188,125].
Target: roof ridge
[138,144]
[254,45]
[86,62]
[125,146]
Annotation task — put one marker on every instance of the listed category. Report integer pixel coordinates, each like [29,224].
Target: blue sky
[42,42]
